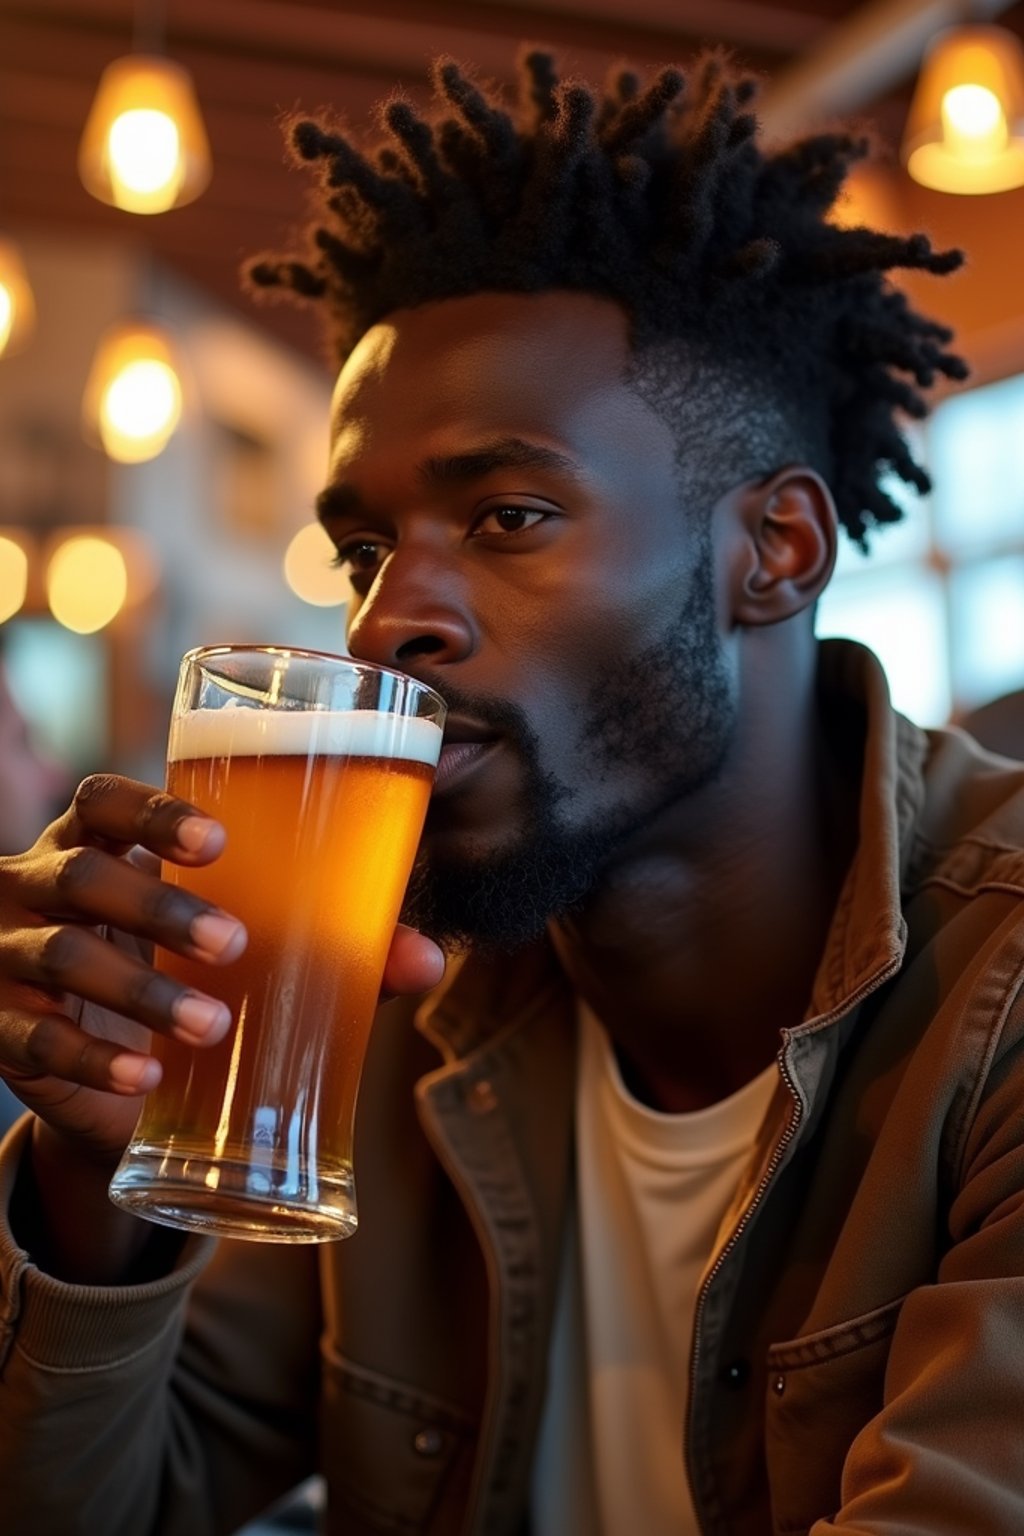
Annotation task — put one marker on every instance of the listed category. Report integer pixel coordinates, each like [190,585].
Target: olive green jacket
[858,1362]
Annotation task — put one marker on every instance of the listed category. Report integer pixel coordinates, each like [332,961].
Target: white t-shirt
[651,1192]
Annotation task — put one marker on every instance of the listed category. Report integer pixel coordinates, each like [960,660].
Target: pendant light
[965,129]
[17,306]
[144,147]
[133,397]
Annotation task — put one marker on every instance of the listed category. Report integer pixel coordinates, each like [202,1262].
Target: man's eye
[509,519]
[360,556]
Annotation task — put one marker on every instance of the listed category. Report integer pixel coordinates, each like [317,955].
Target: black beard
[506,899]
[670,706]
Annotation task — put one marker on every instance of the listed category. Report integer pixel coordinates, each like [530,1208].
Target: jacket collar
[481,996]
[867,937]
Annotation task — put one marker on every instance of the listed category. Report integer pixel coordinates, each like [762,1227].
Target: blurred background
[161,440]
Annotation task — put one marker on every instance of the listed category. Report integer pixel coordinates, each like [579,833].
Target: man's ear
[786,532]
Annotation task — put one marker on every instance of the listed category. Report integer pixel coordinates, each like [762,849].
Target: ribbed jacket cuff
[81,1327]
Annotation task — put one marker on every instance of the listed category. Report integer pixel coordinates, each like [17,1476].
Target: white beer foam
[237,731]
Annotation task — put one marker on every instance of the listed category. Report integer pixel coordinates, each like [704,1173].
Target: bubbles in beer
[323,811]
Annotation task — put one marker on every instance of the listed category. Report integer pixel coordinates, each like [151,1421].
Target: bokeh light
[13,577]
[308,569]
[144,150]
[140,408]
[144,147]
[17,306]
[974,117]
[133,399]
[86,583]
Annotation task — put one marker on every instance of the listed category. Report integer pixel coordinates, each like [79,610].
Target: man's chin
[501,899]
[474,903]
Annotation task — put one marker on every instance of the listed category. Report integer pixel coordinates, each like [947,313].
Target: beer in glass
[320,770]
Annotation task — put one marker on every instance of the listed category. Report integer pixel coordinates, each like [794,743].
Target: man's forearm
[63,1217]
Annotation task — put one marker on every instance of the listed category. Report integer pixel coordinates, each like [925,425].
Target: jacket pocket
[822,1389]
[390,1453]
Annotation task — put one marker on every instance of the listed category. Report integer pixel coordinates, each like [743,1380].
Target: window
[940,599]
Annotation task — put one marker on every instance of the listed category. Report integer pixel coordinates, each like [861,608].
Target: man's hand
[80,913]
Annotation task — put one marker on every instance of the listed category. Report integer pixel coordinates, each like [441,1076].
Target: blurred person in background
[31,786]
[31,783]
[692,1200]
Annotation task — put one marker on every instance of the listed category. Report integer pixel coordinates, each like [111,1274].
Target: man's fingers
[49,1045]
[90,883]
[70,959]
[119,812]
[415,963]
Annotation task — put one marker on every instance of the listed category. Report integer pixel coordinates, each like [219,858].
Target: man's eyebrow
[502,453]
[337,500]
[341,499]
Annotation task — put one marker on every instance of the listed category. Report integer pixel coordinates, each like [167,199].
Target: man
[691,1200]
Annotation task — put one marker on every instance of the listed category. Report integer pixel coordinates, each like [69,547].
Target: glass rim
[372,668]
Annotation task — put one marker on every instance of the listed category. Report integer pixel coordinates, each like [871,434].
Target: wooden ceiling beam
[58,199]
[306,32]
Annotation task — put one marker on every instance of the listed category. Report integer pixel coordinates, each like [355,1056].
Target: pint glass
[320,769]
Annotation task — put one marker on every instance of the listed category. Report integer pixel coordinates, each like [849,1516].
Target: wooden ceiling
[253,59]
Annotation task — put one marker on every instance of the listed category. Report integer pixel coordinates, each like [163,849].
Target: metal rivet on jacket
[428,1442]
[481,1097]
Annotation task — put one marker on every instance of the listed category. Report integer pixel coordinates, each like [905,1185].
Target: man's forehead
[452,378]
[499,341]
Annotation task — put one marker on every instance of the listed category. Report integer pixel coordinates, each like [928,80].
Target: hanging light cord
[150,30]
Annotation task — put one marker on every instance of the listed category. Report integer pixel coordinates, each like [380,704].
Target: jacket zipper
[796,1116]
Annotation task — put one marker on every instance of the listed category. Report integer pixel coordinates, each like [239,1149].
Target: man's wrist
[62,1217]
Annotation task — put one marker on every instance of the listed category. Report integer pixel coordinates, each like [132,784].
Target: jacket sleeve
[945,1455]
[180,1407]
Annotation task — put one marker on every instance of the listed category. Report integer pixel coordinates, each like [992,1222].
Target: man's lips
[466,745]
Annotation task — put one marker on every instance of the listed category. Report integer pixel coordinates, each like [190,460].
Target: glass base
[224,1198]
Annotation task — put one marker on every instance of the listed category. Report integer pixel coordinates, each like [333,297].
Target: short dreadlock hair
[661,199]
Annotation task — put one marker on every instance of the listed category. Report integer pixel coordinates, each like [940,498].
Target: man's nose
[415,609]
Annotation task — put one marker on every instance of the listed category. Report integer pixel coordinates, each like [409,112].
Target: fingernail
[138,1073]
[437,961]
[193,831]
[198,1017]
[218,934]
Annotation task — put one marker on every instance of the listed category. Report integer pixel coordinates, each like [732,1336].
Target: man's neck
[701,944]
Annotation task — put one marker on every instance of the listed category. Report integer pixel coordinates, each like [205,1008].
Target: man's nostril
[422,645]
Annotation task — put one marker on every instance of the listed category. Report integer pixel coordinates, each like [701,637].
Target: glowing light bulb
[6,316]
[17,307]
[965,128]
[133,399]
[308,569]
[140,409]
[144,147]
[86,583]
[13,578]
[973,122]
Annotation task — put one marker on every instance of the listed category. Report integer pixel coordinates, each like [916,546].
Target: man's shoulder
[970,828]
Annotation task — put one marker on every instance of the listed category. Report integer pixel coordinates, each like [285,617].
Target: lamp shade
[133,396]
[965,129]
[17,307]
[144,147]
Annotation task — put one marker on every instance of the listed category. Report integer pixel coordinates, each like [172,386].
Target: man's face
[514,524]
